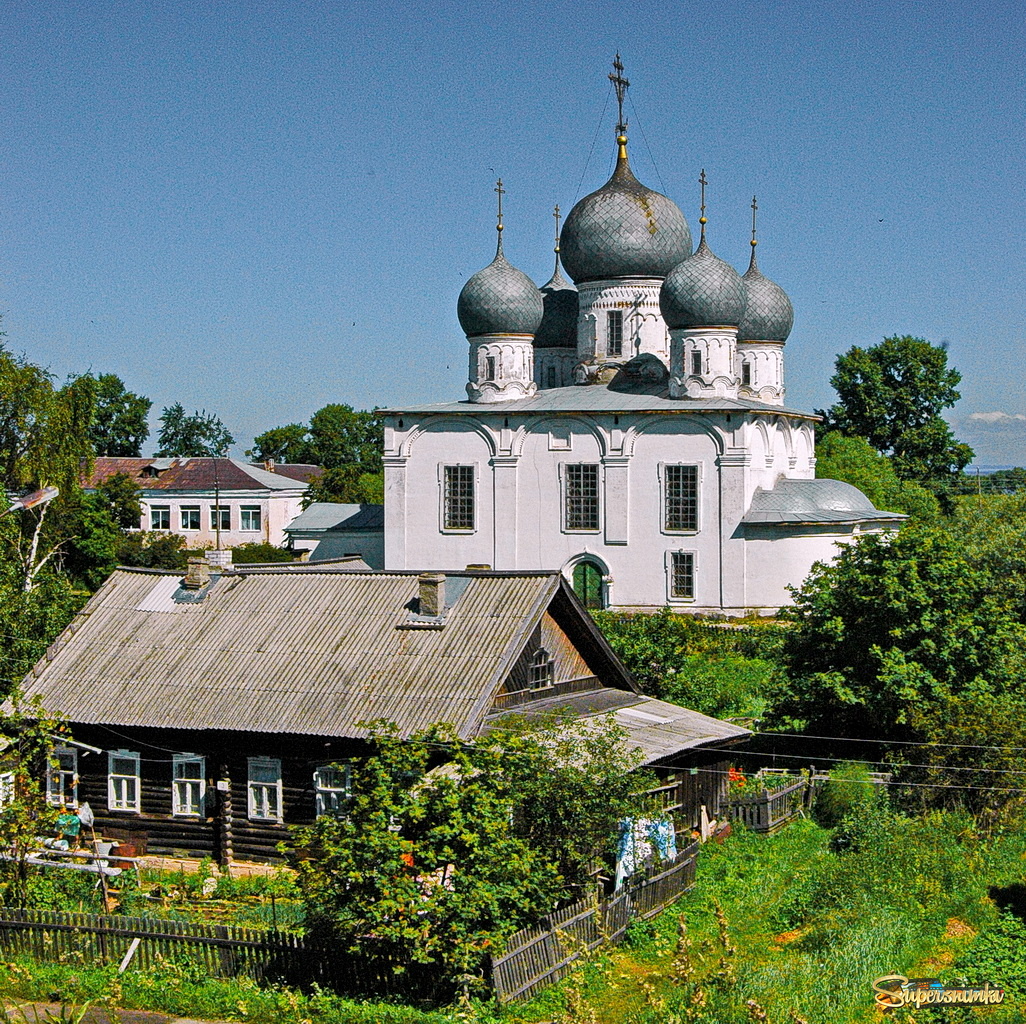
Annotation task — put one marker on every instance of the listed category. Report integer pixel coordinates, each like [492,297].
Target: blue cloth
[640,839]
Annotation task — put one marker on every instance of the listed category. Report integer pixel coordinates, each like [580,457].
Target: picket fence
[539,956]
[769,809]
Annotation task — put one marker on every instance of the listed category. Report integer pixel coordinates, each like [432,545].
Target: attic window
[542,670]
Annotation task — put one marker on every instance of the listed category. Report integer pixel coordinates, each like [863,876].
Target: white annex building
[629,428]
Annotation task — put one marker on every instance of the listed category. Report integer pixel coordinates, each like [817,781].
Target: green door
[588,584]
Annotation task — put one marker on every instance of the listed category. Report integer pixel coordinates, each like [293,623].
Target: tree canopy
[200,435]
[119,427]
[893,395]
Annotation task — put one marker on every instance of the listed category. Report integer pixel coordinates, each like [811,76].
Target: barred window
[490,368]
[582,496]
[614,332]
[680,498]
[696,362]
[458,499]
[542,670]
[682,575]
[746,372]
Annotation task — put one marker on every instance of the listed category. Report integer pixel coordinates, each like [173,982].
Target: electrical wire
[594,142]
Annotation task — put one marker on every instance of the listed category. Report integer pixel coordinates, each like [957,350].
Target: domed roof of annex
[702,291]
[624,230]
[769,315]
[558,328]
[499,300]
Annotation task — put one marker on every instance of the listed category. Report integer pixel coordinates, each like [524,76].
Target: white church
[628,428]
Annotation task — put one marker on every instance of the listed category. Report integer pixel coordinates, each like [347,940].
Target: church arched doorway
[587,580]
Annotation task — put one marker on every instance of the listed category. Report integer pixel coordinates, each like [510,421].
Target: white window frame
[226,514]
[257,791]
[162,511]
[564,468]
[62,782]
[330,795]
[614,329]
[746,373]
[443,482]
[195,513]
[181,785]
[664,498]
[247,512]
[671,597]
[120,784]
[541,673]
[697,365]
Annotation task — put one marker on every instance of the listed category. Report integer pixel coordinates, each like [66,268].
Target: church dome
[624,230]
[769,315]
[703,291]
[499,300]
[558,328]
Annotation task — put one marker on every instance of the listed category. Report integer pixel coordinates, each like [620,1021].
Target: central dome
[624,230]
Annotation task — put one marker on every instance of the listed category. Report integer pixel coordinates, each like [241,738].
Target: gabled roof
[336,517]
[193,474]
[815,502]
[302,652]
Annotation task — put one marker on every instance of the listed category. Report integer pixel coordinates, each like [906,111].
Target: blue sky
[257,208]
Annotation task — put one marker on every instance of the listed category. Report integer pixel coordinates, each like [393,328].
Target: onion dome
[562,303]
[499,299]
[769,315]
[624,230]
[703,291]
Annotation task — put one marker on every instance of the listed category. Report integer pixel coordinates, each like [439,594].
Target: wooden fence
[539,956]
[768,809]
[223,951]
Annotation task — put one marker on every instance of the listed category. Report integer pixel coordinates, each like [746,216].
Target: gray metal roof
[814,501]
[702,291]
[623,230]
[500,299]
[769,315]
[558,328]
[323,516]
[656,729]
[634,396]
[301,652]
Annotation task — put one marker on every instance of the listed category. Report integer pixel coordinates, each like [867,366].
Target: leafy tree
[120,494]
[347,484]
[893,395]
[155,550]
[290,443]
[200,435]
[119,426]
[343,437]
[855,461]
[247,553]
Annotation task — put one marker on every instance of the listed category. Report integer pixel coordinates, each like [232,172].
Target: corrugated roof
[299,652]
[302,471]
[814,501]
[635,397]
[655,729]
[337,517]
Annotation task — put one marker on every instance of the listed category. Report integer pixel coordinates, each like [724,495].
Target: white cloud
[996,419]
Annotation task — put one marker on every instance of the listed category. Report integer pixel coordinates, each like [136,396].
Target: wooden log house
[221,702]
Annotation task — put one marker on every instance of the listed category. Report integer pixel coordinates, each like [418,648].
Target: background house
[221,701]
[183,496]
[328,529]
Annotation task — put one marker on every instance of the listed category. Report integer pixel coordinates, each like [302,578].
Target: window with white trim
[188,785]
[160,517]
[331,788]
[490,368]
[62,778]
[681,570]
[190,517]
[696,362]
[746,372]
[542,670]
[614,332]
[123,783]
[225,514]
[581,496]
[458,498]
[249,517]
[264,788]
[680,499]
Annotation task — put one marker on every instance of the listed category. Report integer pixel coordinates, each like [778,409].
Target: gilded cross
[557,216]
[755,207]
[502,192]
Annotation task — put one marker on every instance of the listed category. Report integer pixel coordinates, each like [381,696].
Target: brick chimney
[197,576]
[431,592]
